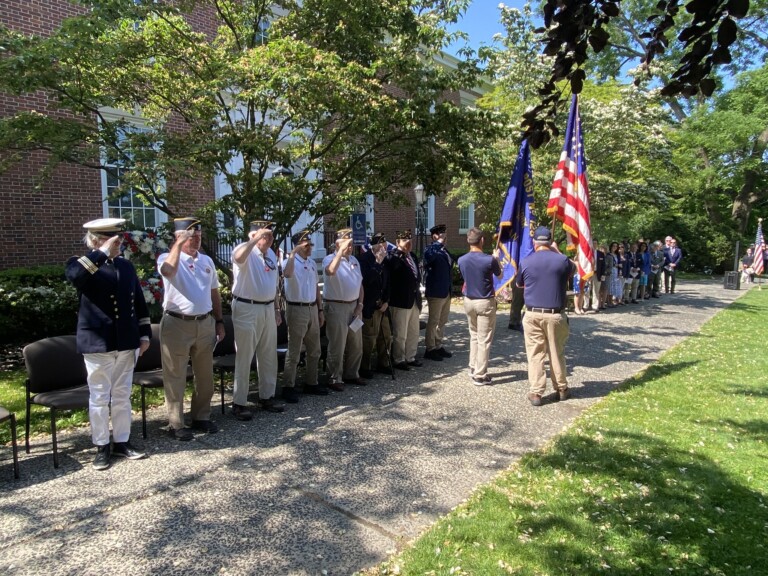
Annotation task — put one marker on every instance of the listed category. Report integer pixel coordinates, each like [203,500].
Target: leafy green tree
[349,97]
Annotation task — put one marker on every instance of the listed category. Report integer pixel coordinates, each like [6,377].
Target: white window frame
[112,114]
[470,218]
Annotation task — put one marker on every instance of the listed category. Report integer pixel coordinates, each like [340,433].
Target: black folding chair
[11,417]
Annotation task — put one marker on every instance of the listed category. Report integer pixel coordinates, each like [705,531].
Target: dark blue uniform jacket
[375,283]
[437,271]
[113,314]
[403,285]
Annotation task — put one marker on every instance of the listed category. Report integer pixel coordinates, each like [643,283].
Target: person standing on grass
[113,329]
[544,277]
[192,324]
[478,270]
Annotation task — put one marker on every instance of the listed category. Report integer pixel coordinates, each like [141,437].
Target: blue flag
[516,223]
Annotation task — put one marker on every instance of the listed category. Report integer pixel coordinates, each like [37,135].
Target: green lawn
[12,398]
[669,475]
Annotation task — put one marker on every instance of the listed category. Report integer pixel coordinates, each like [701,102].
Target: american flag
[569,198]
[757,255]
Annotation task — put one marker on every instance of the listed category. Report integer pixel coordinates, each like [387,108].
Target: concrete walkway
[334,484]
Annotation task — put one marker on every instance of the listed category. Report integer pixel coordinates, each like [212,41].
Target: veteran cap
[404,235]
[105,226]
[439,229]
[378,238]
[261,224]
[303,236]
[189,223]
[542,234]
[344,233]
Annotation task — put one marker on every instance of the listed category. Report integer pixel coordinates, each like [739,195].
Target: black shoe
[385,370]
[516,327]
[101,461]
[416,363]
[316,390]
[336,386]
[241,412]
[355,381]
[125,450]
[534,399]
[206,426]
[365,373]
[444,353]
[433,355]
[634,301]
[402,366]
[290,395]
[182,434]
[269,405]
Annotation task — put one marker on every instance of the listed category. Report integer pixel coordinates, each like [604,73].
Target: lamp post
[421,218]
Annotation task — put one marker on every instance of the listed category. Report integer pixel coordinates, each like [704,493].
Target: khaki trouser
[438,316]
[545,337]
[377,333]
[596,284]
[405,333]
[303,328]
[481,318]
[255,333]
[180,342]
[345,347]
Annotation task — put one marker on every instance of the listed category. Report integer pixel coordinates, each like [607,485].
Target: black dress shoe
[206,426]
[290,395]
[416,363]
[316,390]
[355,381]
[364,373]
[269,405]
[241,412]
[385,370]
[182,434]
[125,450]
[402,366]
[336,386]
[101,461]
[444,353]
[433,355]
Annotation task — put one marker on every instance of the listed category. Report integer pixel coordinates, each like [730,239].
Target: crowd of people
[369,307]
[628,273]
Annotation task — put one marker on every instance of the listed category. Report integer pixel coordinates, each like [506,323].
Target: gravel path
[334,484]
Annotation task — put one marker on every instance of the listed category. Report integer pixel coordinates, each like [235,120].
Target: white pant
[110,377]
[255,332]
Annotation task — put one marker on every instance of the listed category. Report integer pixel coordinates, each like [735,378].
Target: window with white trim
[126,202]
[466,218]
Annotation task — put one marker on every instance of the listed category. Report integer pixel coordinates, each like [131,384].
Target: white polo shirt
[345,284]
[257,278]
[189,291]
[302,285]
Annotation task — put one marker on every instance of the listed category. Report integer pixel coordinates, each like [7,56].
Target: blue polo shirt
[478,270]
[544,275]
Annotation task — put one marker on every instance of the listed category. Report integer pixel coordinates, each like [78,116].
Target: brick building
[42,218]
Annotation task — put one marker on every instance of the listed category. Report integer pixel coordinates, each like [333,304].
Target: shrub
[36,303]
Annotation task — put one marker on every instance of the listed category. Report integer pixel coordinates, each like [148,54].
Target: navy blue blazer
[599,264]
[632,261]
[669,259]
[375,283]
[113,314]
[438,264]
[403,285]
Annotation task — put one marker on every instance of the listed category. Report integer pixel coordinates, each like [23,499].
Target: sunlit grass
[669,475]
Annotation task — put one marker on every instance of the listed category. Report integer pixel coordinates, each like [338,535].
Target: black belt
[302,303]
[342,301]
[247,301]
[546,310]
[181,316]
